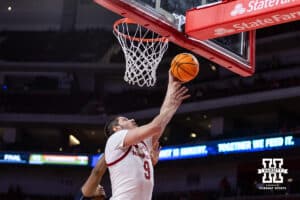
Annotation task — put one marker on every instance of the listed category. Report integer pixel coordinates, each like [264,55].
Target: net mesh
[143,50]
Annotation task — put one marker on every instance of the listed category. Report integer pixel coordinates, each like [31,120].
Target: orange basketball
[185,67]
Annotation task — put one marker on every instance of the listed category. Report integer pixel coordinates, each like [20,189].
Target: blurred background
[61,77]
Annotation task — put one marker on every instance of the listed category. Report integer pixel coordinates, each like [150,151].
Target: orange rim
[129,21]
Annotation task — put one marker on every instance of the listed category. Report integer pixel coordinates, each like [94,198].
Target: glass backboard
[167,18]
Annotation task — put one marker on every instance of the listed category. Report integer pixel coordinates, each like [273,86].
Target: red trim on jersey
[145,145]
[121,158]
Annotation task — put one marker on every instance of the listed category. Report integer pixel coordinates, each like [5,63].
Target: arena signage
[14,158]
[227,147]
[41,159]
[239,16]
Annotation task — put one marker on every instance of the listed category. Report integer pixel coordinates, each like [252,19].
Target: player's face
[126,123]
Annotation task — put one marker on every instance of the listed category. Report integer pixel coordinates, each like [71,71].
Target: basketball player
[91,190]
[128,148]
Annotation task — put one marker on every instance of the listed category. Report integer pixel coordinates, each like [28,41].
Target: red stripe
[145,145]
[121,158]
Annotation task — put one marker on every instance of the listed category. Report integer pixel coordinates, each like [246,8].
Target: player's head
[118,123]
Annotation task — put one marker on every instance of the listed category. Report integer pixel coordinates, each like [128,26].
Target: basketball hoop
[143,51]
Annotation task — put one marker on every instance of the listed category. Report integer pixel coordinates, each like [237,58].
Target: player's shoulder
[114,147]
[117,135]
[116,140]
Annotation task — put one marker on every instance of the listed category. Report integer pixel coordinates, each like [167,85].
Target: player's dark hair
[108,128]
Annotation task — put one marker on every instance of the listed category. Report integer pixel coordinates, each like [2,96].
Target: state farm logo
[223,31]
[238,10]
[256,5]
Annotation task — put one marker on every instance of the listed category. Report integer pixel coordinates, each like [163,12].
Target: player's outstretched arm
[172,100]
[91,186]
[176,93]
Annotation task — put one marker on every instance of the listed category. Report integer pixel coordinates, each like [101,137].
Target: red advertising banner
[239,16]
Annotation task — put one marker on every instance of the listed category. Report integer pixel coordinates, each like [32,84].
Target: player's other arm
[91,186]
[176,93]
[155,153]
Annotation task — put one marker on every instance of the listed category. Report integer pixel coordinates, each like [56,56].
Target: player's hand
[176,91]
[172,79]
[100,192]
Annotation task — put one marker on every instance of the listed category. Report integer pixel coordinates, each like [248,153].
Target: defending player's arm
[176,93]
[91,187]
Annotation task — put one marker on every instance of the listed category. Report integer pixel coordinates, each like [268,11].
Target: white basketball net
[143,50]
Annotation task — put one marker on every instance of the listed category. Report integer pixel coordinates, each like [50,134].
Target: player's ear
[116,128]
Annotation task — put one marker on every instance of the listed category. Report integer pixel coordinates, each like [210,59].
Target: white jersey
[130,169]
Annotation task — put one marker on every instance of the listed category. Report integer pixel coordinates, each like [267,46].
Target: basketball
[185,67]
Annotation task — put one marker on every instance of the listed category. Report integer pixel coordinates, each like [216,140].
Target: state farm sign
[256,5]
[239,16]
